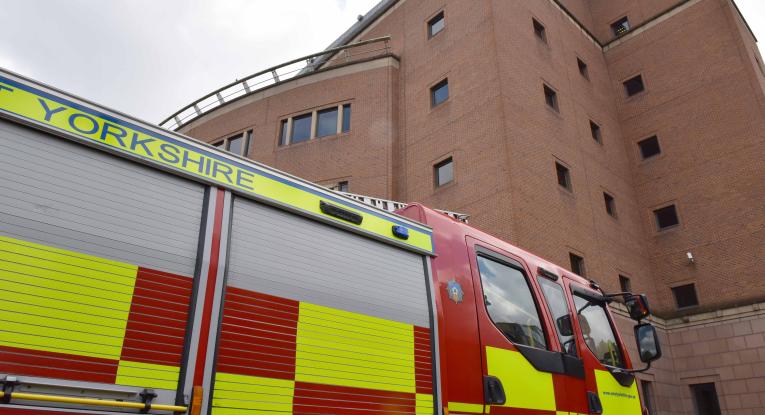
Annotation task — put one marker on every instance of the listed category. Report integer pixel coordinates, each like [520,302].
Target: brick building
[625,138]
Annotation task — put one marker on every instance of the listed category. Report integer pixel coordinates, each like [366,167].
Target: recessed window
[647,387]
[610,204]
[685,296]
[301,128]
[649,147]
[327,122]
[551,97]
[596,132]
[666,217]
[705,399]
[436,24]
[346,118]
[625,285]
[634,85]
[439,93]
[539,30]
[238,144]
[577,264]
[444,172]
[341,186]
[564,176]
[620,26]
[583,68]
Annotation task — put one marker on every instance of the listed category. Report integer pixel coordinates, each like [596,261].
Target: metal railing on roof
[392,206]
[271,76]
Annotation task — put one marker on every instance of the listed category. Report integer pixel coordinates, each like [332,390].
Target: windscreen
[597,331]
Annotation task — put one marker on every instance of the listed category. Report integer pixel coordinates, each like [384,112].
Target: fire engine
[142,271]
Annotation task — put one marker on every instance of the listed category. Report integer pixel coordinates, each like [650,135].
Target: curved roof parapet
[272,76]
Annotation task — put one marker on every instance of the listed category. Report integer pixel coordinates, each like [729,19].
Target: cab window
[556,302]
[510,304]
[597,331]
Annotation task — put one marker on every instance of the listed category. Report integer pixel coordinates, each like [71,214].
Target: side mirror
[564,325]
[647,342]
[637,304]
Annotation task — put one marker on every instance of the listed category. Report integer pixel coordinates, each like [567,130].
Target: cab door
[524,366]
[610,391]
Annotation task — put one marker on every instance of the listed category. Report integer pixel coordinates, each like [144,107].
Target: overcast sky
[148,58]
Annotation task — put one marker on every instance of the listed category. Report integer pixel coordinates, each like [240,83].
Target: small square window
[444,172]
[620,26]
[439,93]
[436,25]
[649,147]
[342,186]
[564,177]
[346,118]
[301,128]
[539,30]
[551,97]
[596,132]
[610,204]
[685,296]
[625,285]
[583,68]
[666,217]
[634,85]
[577,264]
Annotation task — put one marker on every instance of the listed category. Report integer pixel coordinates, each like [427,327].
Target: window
[564,177]
[301,128]
[556,302]
[620,26]
[634,85]
[625,285]
[596,132]
[551,97]
[539,30]
[439,93]
[444,172]
[577,264]
[649,147]
[238,144]
[597,331]
[436,25]
[327,122]
[705,399]
[685,296]
[647,388]
[610,204]
[666,217]
[583,68]
[340,186]
[346,118]
[283,133]
[510,304]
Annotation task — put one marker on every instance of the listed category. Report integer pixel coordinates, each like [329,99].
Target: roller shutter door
[97,256]
[317,319]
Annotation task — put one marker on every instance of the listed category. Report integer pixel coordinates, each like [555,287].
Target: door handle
[593,401]
[493,392]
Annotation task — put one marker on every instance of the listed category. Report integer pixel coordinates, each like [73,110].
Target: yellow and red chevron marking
[277,354]
[80,317]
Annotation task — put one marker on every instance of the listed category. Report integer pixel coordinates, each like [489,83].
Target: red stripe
[423,367]
[59,365]
[212,276]
[311,398]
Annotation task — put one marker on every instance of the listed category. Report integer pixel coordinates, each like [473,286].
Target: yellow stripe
[615,398]
[472,408]
[531,389]
[147,375]
[237,394]
[60,301]
[165,151]
[337,347]
[424,404]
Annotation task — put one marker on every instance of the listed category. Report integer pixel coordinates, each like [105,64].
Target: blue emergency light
[401,231]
